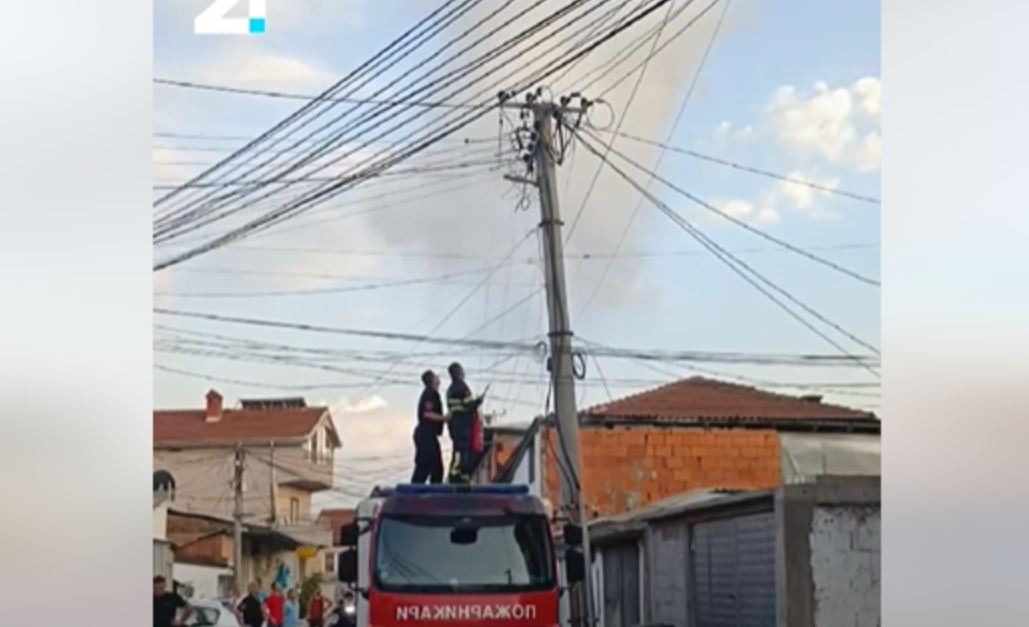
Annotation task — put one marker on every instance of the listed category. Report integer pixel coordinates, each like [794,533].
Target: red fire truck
[475,555]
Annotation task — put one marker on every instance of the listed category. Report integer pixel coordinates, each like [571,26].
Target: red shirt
[316,611]
[274,604]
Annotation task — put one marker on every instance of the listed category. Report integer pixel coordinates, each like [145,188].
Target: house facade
[287,450]
[335,519]
[697,433]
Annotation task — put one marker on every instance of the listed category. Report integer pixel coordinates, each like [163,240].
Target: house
[692,434]
[801,555]
[203,546]
[287,450]
[335,520]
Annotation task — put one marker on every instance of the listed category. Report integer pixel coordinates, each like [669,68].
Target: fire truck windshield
[476,554]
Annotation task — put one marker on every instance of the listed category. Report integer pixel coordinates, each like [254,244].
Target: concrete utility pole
[272,518]
[237,515]
[568,453]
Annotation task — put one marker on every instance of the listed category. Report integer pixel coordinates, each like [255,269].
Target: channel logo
[215,20]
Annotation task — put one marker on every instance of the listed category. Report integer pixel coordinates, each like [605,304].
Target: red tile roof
[188,427]
[698,399]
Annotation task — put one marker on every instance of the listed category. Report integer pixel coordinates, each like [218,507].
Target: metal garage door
[734,572]
[621,563]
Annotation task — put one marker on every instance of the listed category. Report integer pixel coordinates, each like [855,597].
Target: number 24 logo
[214,20]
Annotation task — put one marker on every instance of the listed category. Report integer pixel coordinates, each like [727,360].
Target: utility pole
[237,515]
[271,469]
[568,453]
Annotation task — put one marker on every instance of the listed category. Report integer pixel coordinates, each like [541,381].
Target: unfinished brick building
[692,434]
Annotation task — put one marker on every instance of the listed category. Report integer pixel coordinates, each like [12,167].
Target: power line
[336,188]
[747,168]
[803,359]
[384,54]
[675,125]
[741,223]
[328,290]
[338,138]
[307,97]
[744,270]
[621,120]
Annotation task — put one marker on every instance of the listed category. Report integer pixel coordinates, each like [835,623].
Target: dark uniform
[461,405]
[166,608]
[428,459]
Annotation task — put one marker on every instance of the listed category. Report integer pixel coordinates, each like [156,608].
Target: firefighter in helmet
[464,426]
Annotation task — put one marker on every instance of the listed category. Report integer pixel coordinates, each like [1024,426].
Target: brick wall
[629,467]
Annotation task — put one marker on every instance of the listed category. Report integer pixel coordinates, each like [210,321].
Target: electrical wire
[747,168]
[741,223]
[621,120]
[745,271]
[671,132]
[306,97]
[292,208]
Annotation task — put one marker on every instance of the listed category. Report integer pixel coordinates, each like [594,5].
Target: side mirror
[348,534]
[572,534]
[575,566]
[347,566]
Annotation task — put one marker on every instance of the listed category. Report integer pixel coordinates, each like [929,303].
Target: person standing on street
[274,606]
[463,407]
[261,594]
[428,459]
[291,610]
[249,610]
[318,608]
[168,605]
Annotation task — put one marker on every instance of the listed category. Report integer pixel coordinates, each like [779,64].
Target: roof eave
[846,425]
[180,444]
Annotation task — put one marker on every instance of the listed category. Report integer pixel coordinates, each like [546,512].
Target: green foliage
[307,590]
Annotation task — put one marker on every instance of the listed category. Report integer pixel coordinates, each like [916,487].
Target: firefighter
[463,407]
[428,459]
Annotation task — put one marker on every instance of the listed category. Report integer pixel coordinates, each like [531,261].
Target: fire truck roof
[469,500]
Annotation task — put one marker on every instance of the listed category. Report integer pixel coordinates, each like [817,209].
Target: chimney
[214,407]
[812,398]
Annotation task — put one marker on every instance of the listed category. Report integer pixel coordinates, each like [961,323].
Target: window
[294,510]
[316,451]
[330,562]
[426,554]
[203,617]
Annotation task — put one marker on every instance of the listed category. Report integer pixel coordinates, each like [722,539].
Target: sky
[791,88]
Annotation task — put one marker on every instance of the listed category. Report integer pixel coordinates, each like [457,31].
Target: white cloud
[244,66]
[768,216]
[769,204]
[737,208]
[868,154]
[361,406]
[762,211]
[803,196]
[837,124]
[869,90]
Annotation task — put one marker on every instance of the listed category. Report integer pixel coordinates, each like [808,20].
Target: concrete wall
[666,597]
[845,565]
[203,579]
[828,553]
[162,559]
[161,521]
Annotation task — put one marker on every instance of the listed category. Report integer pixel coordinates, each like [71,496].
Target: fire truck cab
[475,555]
